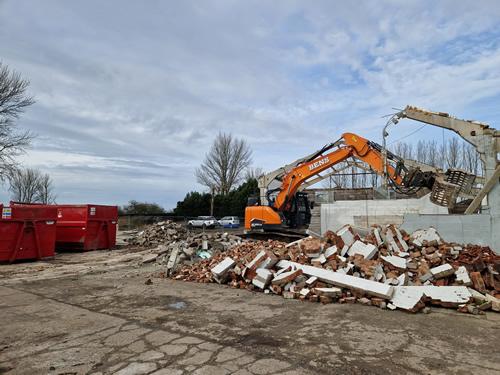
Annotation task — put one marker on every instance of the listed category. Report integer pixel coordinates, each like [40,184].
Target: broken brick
[324,299]
[478,282]
[286,277]
[478,264]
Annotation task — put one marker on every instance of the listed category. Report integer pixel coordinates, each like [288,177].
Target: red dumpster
[27,232]
[86,227]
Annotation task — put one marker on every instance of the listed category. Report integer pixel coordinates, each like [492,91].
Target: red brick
[249,273]
[290,295]
[332,239]
[415,254]
[442,282]
[425,267]
[358,293]
[288,278]
[430,249]
[377,301]
[323,299]
[478,282]
[365,301]
[478,264]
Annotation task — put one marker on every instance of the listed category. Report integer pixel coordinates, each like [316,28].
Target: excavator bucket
[445,192]
[461,178]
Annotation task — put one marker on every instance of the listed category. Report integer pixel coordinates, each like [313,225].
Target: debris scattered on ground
[174,246]
[160,233]
[388,269]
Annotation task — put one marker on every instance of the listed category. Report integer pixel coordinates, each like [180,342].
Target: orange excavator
[289,208]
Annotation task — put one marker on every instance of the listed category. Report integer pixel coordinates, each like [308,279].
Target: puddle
[178,305]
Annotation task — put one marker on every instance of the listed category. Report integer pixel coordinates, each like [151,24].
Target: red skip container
[27,232]
[86,227]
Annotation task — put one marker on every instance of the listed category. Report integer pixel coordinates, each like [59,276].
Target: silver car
[203,222]
[230,222]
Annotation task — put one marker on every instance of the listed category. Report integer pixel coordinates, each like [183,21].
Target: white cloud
[130,95]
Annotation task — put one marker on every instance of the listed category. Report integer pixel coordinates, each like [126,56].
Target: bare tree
[403,150]
[13,102]
[337,179]
[374,180]
[253,173]
[31,186]
[46,190]
[432,153]
[24,185]
[452,153]
[422,152]
[354,177]
[224,164]
[471,159]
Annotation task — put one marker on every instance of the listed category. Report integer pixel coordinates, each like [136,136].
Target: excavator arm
[285,209]
[355,146]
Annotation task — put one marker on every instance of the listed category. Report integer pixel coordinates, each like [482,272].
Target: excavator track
[284,236]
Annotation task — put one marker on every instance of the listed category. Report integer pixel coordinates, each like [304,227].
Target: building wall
[362,214]
[462,229]
[412,214]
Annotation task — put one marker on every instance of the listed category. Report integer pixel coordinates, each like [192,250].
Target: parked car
[230,222]
[203,222]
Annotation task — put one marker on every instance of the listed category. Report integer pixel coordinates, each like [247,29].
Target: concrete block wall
[363,214]
[473,229]
[315,224]
[412,214]
[366,221]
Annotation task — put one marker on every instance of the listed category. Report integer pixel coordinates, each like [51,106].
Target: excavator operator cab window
[252,201]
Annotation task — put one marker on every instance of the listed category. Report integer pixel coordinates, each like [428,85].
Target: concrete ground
[96,313]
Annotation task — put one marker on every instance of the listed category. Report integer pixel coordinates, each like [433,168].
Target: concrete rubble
[173,245]
[388,269]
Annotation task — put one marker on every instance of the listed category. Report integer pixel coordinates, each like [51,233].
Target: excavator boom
[289,205]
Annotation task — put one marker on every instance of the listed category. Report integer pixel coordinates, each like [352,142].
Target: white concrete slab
[443,270]
[332,250]
[407,297]
[395,261]
[263,278]
[223,267]
[462,276]
[372,288]
[346,235]
[321,259]
[420,236]
[367,250]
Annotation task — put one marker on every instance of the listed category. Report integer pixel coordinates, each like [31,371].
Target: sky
[130,94]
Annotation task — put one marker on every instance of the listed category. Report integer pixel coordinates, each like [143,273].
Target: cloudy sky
[130,94]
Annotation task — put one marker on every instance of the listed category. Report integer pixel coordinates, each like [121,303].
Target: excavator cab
[296,216]
[299,214]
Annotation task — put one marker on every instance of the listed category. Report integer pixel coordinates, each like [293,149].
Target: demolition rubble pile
[389,268]
[160,233]
[177,246]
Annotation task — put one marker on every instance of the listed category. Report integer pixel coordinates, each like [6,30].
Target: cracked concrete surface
[92,313]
